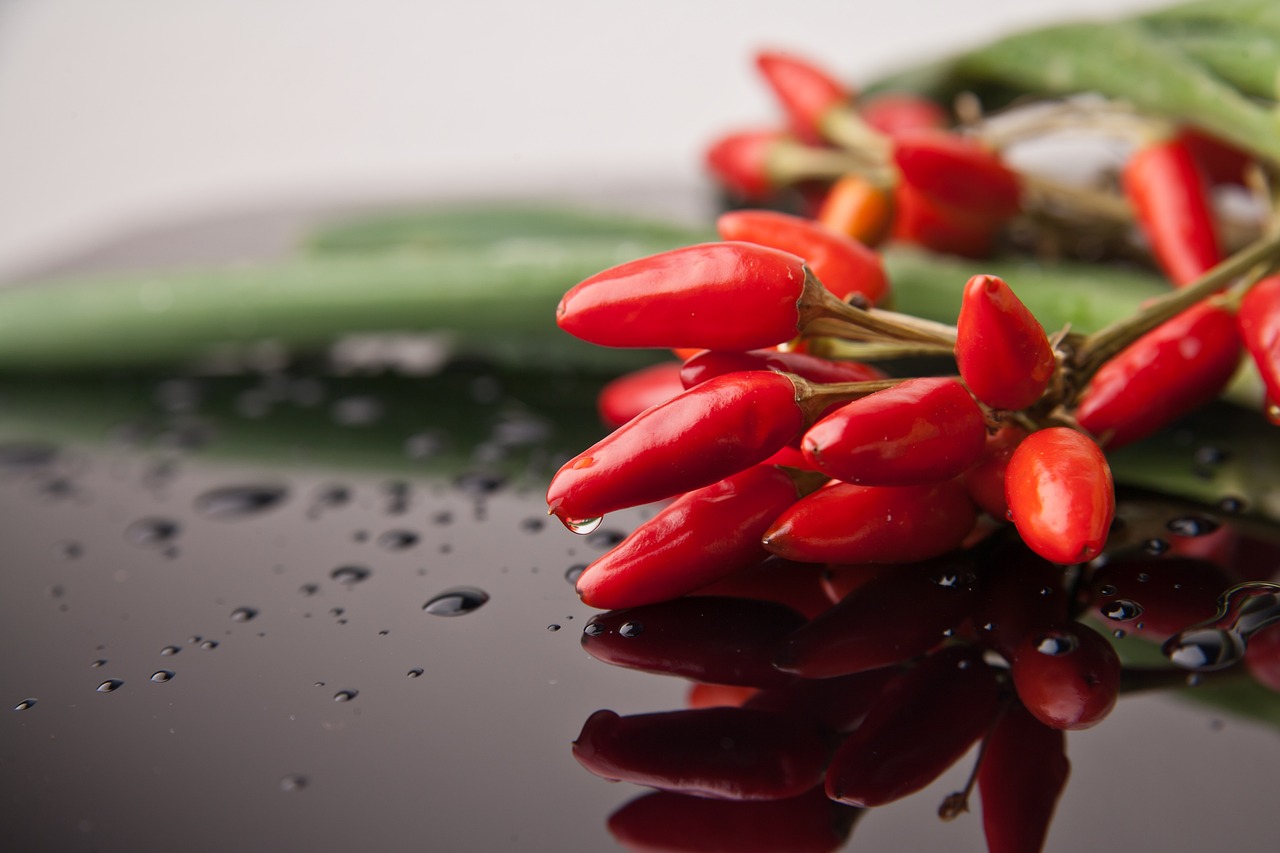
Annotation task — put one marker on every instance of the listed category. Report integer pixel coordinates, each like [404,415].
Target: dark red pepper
[1060,494]
[728,753]
[925,720]
[1067,676]
[1002,351]
[707,433]
[846,523]
[922,220]
[985,480]
[740,163]
[709,363]
[1021,593]
[1259,324]
[1220,161]
[1156,597]
[699,538]
[919,431]
[805,92]
[627,396]
[958,173]
[1023,772]
[1171,370]
[843,265]
[1170,198]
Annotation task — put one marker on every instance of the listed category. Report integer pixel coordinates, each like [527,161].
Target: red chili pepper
[721,640]
[627,396]
[958,173]
[701,537]
[920,219]
[919,431]
[1067,676]
[898,113]
[1156,597]
[709,432]
[769,756]
[806,92]
[1001,349]
[1023,772]
[846,523]
[709,363]
[1060,495]
[1175,368]
[1170,198]
[712,296]
[704,695]
[1219,161]
[985,480]
[843,265]
[926,719]
[857,208]
[900,614]
[740,163]
[1259,323]
[809,823]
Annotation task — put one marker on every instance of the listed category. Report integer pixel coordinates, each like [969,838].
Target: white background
[116,115]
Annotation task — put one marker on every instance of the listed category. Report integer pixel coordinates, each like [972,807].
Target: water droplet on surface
[110,685]
[350,575]
[574,572]
[1219,642]
[170,651]
[356,411]
[1210,455]
[1122,610]
[593,629]
[424,445]
[160,676]
[605,539]
[397,540]
[532,525]
[243,614]
[479,483]
[583,526]
[152,532]
[345,695]
[1057,643]
[1107,590]
[553,627]
[1192,525]
[416,672]
[293,782]
[25,704]
[1204,649]
[230,503]
[1155,547]
[456,602]
[309,588]
[1119,633]
[1231,505]
[630,629]
[209,645]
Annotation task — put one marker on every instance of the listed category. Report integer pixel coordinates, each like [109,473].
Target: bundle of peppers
[951,481]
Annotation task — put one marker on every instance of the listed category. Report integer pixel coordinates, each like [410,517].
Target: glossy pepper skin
[1169,194]
[1002,351]
[857,208]
[710,296]
[1022,775]
[699,538]
[1060,494]
[770,757]
[1175,368]
[919,431]
[705,434]
[925,720]
[627,396]
[847,523]
[740,163]
[958,173]
[1259,324]
[805,92]
[709,363]
[843,265]
[985,480]
[1067,676]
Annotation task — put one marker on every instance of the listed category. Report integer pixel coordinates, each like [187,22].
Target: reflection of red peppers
[1175,368]
[699,538]
[1067,676]
[900,614]
[1023,772]
[721,640]
[1156,597]
[1021,592]
[1259,324]
[1060,495]
[770,757]
[1001,349]
[627,396]
[709,432]
[806,93]
[836,704]
[924,721]
[919,431]
[845,523]
[740,162]
[709,363]
[1170,197]
[843,265]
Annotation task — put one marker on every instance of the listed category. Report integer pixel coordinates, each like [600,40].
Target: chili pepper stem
[836,348]
[957,802]
[814,398]
[1098,347]
[843,126]
[817,303]
[790,163]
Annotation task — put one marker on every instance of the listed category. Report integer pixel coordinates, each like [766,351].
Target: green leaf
[1262,16]
[1240,55]
[1125,60]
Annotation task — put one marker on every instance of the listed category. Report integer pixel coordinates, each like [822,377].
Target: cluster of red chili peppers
[783,446]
